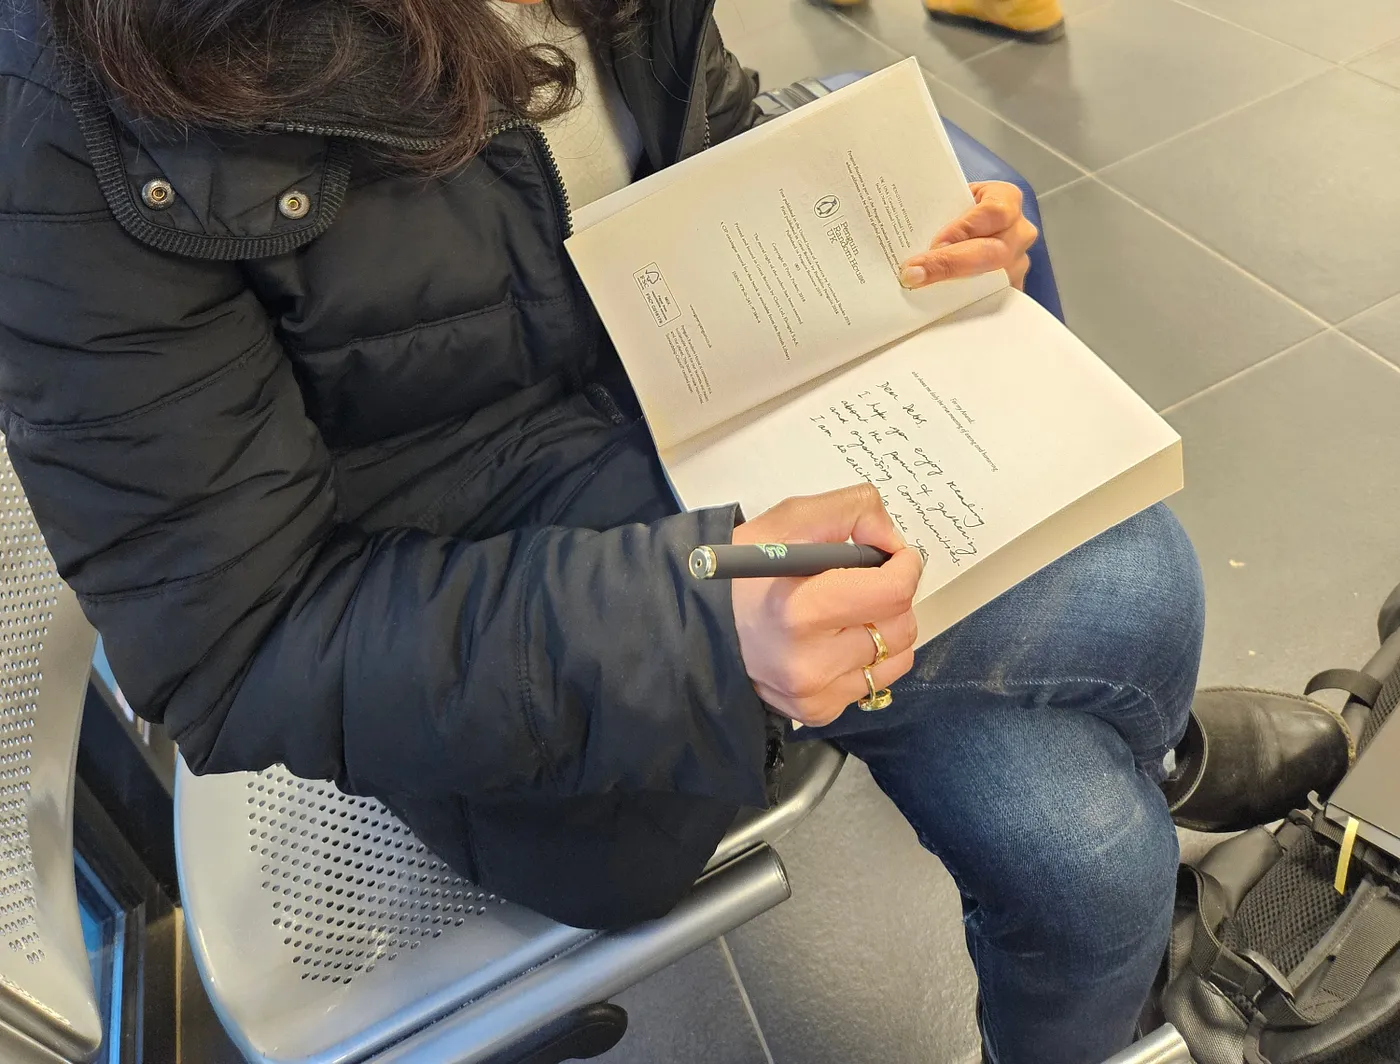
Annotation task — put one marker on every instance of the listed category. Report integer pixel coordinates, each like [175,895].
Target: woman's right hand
[803,639]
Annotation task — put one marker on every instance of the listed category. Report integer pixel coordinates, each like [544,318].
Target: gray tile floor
[1219,183]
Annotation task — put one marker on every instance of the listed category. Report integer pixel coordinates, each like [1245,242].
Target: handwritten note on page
[976,431]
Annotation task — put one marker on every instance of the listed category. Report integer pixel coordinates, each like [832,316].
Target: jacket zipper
[706,12]
[556,179]
[391,140]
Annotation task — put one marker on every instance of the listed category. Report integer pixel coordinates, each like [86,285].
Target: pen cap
[702,563]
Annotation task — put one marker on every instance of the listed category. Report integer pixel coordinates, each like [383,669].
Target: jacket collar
[229,191]
[229,188]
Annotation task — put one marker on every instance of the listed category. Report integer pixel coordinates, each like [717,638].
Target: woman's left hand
[993,235]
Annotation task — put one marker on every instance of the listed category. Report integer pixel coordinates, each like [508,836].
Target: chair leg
[579,1035]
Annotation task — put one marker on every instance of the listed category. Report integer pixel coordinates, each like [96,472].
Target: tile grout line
[1257,33]
[1097,176]
[1041,197]
[1331,330]
[975,102]
[1366,310]
[744,997]
[1141,151]
[1212,120]
[1045,146]
[1213,252]
[1172,408]
[846,20]
[1084,171]
[1370,77]
[1374,354]
[1366,53]
[853,24]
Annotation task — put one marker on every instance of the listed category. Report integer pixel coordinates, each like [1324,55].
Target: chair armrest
[599,968]
[1162,1046]
[810,768]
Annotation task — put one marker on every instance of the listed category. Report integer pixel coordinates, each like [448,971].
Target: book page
[773,258]
[975,430]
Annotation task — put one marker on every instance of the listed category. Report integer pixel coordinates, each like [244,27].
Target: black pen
[733,561]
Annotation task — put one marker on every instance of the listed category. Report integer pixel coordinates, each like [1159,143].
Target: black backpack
[1269,963]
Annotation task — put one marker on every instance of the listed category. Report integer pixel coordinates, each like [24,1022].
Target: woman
[321,427]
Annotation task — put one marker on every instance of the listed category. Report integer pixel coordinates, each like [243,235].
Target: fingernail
[912,276]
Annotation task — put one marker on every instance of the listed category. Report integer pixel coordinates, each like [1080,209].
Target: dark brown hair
[394,65]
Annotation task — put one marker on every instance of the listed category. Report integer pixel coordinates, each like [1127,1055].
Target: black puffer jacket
[341,491]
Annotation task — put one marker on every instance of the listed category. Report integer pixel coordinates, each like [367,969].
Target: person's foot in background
[1038,21]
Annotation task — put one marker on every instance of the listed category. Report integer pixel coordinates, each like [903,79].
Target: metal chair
[48,1005]
[325,932]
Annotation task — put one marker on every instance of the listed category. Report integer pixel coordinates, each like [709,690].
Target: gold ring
[881,651]
[875,699]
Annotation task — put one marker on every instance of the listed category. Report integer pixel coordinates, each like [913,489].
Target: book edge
[1034,549]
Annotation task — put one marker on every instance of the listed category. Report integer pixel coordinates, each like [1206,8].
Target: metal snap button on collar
[157,194]
[294,204]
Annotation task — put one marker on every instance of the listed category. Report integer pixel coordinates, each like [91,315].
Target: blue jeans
[1025,747]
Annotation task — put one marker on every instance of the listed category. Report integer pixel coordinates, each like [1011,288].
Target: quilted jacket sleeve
[161,439]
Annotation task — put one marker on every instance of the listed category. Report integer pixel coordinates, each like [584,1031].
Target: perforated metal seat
[48,1007]
[325,931]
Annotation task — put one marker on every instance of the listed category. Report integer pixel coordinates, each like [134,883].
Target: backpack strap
[1239,975]
[1253,1053]
[1361,686]
[1365,940]
[1355,946]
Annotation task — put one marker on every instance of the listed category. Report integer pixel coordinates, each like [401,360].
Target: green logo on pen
[773,550]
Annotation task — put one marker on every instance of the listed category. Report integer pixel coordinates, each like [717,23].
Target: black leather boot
[1250,757]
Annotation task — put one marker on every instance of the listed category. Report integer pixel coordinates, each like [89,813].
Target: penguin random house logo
[826,206]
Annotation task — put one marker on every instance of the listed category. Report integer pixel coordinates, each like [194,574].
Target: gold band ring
[875,699]
[881,650]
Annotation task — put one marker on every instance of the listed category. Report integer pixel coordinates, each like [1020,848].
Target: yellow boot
[1028,20]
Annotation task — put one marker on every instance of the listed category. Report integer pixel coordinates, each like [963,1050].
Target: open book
[752,293]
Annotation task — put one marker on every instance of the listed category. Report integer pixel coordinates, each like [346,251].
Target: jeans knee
[1103,892]
[1154,578]
[1147,581]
